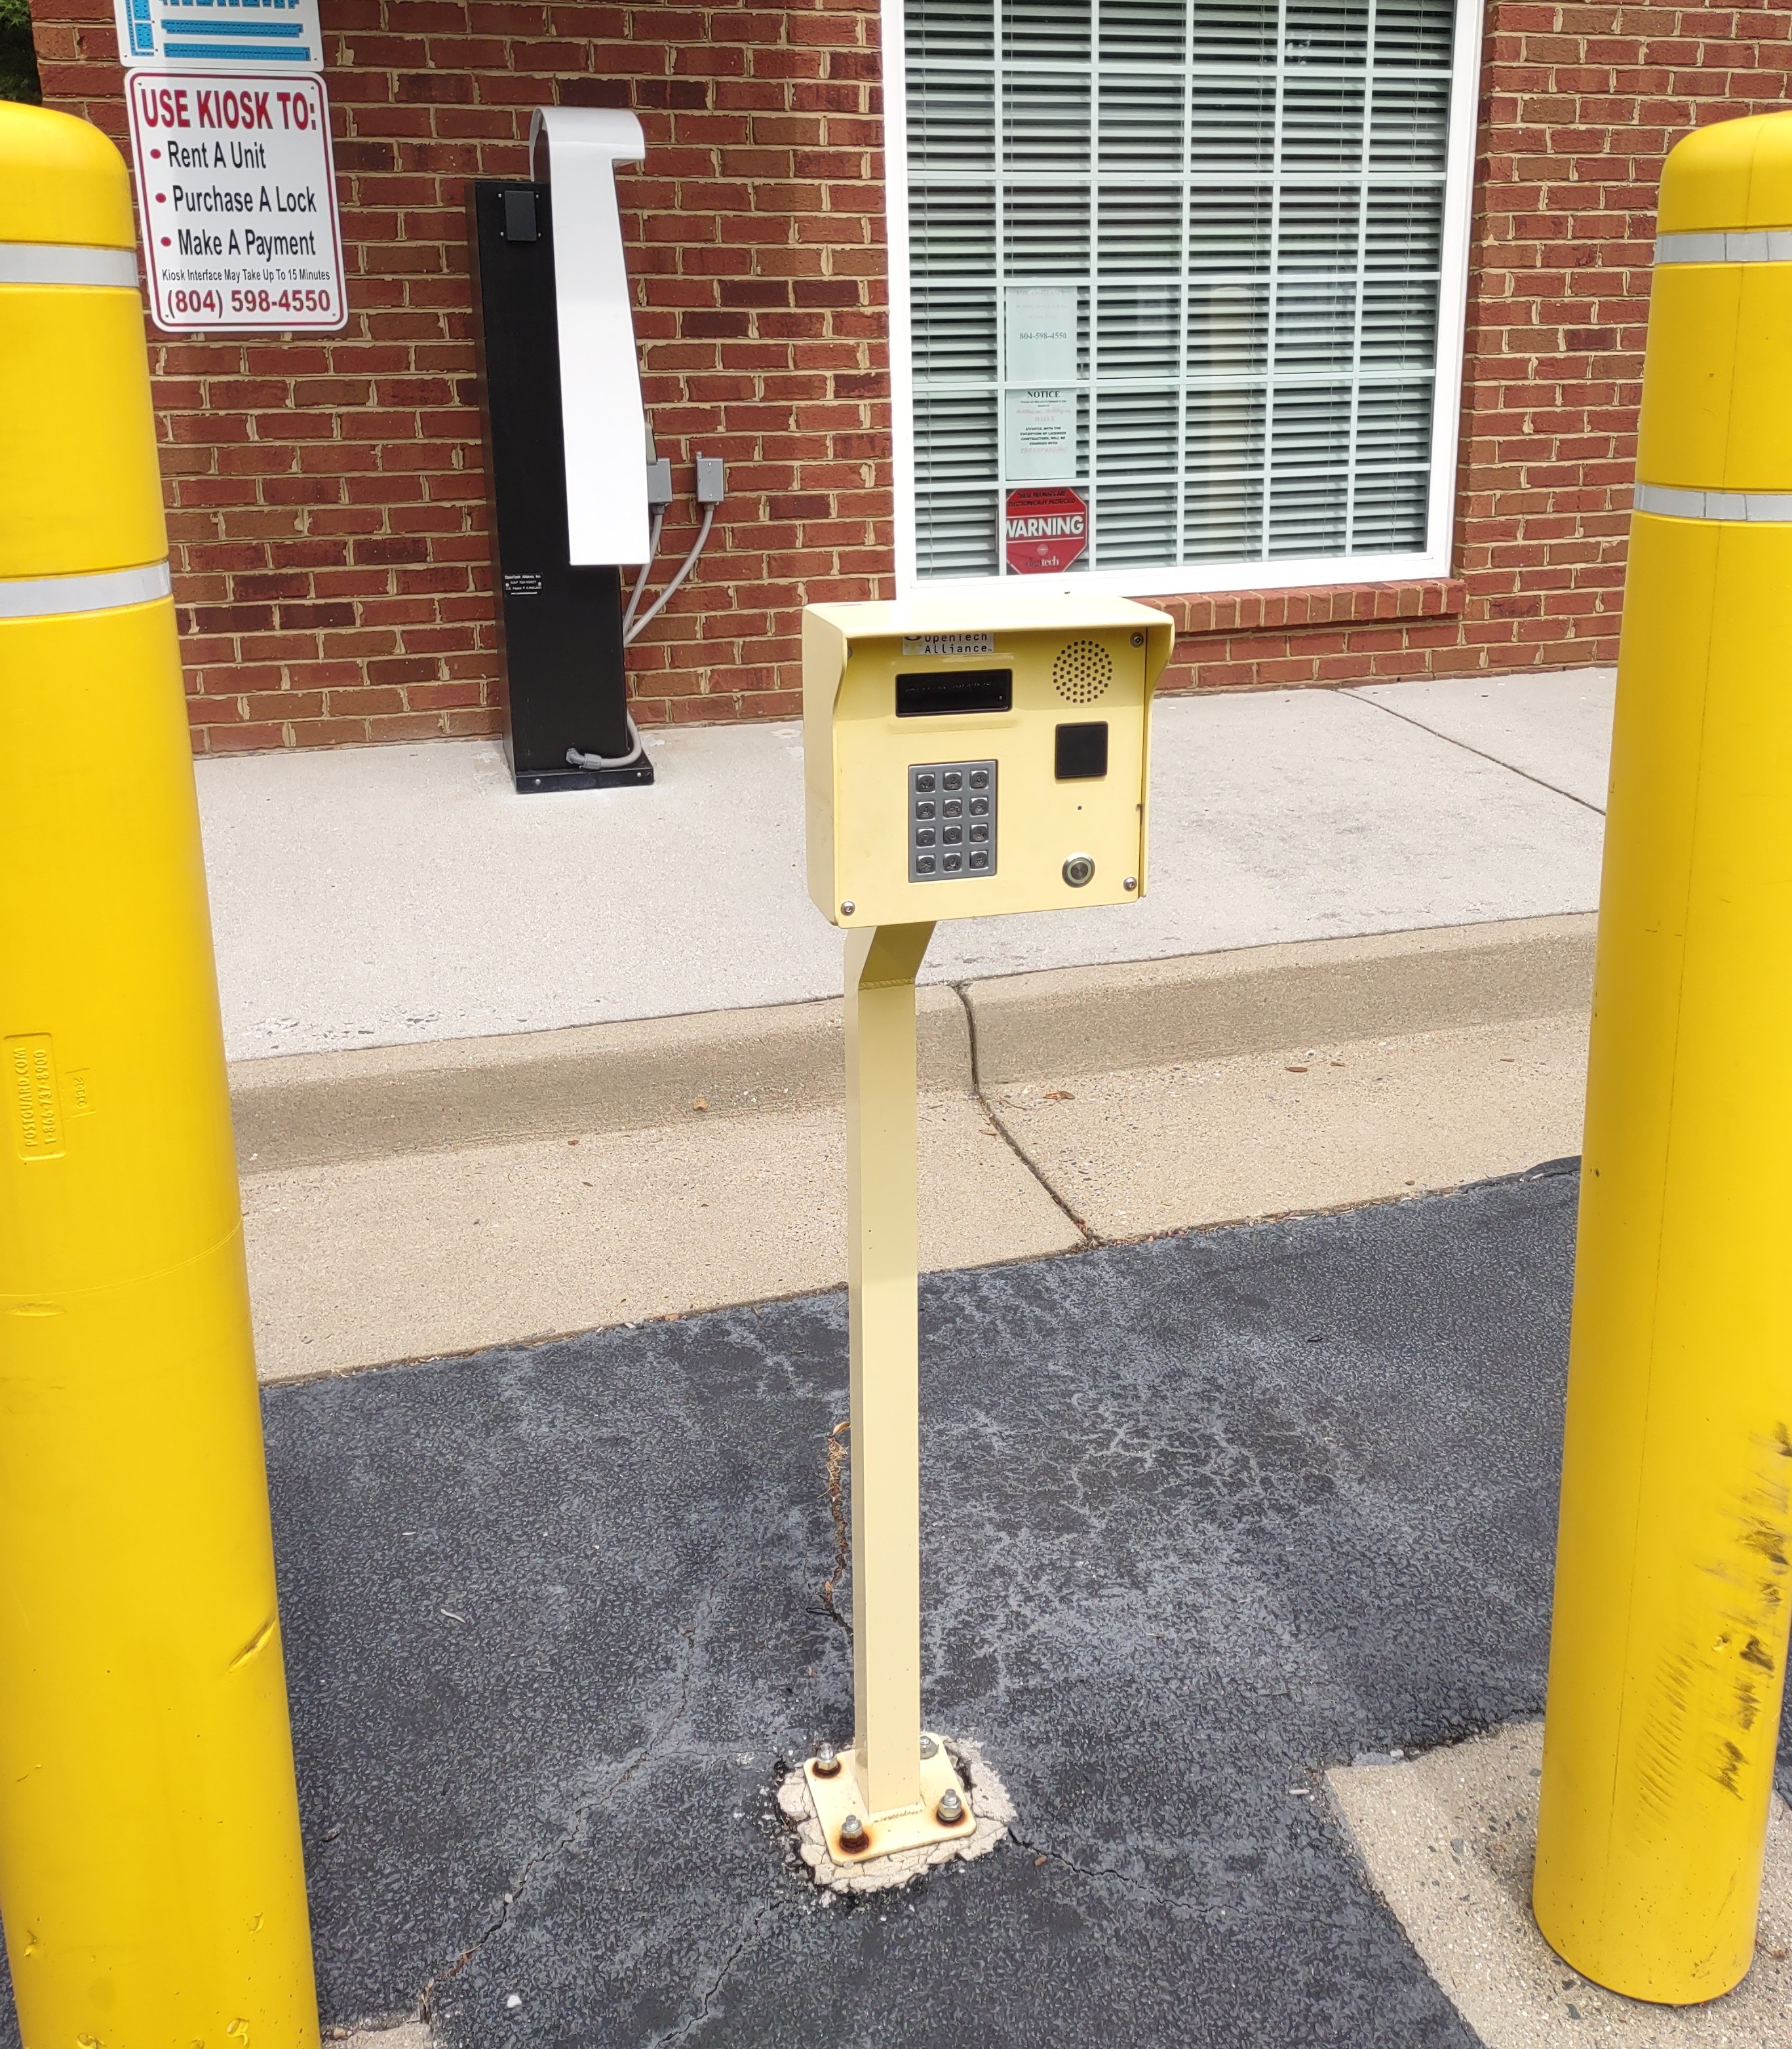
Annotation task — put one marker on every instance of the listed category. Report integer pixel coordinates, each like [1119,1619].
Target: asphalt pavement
[1203,1516]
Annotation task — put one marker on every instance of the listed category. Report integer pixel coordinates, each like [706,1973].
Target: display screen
[939,693]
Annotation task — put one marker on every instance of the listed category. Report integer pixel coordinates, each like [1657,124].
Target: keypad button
[924,836]
[979,833]
[923,810]
[980,807]
[952,808]
[980,856]
[951,780]
[924,781]
[951,860]
[924,864]
[951,835]
[980,778]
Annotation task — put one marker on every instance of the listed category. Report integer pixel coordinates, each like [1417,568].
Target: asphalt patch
[1201,1517]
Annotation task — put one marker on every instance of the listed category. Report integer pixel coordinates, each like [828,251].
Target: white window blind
[1188,256]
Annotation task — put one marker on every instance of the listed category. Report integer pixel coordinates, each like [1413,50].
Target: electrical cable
[633,631]
[633,625]
[646,570]
[593,762]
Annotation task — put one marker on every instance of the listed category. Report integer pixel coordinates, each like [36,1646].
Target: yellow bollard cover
[1673,1581]
[1716,399]
[80,489]
[61,180]
[151,1882]
[1734,174]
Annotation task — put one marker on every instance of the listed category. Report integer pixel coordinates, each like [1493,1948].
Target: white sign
[238,196]
[1041,436]
[234,32]
[1038,324]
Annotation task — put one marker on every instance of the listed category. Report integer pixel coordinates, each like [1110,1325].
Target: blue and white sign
[199,34]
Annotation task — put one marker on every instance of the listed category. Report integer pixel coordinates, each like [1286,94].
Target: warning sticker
[238,196]
[1047,528]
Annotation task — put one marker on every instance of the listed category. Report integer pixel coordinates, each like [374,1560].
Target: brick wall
[326,506]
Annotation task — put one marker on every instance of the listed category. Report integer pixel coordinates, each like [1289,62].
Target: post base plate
[906,1828]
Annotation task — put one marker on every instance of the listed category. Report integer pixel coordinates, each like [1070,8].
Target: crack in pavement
[552,1853]
[1089,1236]
[1143,1888]
[1450,739]
[707,1998]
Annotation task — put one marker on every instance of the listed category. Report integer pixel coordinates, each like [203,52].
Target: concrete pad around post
[1450,1839]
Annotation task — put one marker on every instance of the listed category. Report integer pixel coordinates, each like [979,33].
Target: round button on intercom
[1078,870]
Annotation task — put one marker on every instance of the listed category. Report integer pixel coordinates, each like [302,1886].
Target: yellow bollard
[1671,1613]
[151,1877]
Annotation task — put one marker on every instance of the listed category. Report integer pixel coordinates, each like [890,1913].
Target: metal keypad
[951,821]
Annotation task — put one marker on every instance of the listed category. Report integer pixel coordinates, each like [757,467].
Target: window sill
[1231,612]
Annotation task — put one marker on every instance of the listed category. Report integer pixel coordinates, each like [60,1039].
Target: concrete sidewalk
[390,896]
[464,1157]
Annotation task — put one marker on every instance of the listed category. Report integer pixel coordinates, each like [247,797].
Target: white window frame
[1284,573]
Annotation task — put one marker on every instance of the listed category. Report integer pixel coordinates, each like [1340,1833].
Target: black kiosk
[559,621]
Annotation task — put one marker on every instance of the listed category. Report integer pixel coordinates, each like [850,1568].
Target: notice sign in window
[1039,334]
[238,196]
[1041,431]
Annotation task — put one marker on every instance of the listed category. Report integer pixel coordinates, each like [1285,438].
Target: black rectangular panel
[521,222]
[939,693]
[560,628]
[1081,752]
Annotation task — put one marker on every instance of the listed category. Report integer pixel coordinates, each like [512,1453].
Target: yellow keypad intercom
[965,761]
[960,761]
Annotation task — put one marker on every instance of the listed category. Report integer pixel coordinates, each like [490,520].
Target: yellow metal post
[881,1261]
[150,1878]
[1672,1585]
[898,1789]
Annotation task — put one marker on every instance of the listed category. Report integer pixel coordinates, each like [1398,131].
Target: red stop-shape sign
[1047,528]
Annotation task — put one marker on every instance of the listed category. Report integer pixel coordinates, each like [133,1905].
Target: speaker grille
[1082,671]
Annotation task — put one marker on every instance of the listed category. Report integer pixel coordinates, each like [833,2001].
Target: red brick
[325,495]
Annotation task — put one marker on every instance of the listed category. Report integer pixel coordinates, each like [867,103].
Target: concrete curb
[1265,999]
[309,1109]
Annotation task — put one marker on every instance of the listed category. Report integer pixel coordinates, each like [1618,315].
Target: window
[1184,274]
